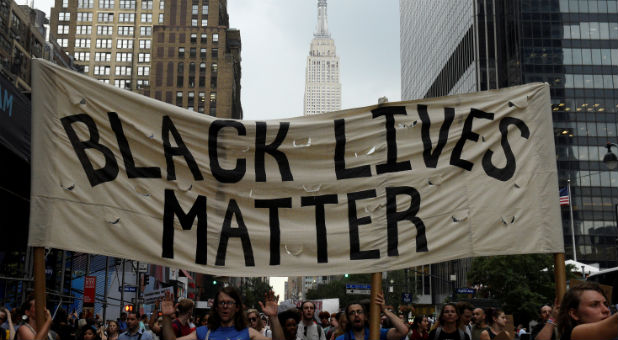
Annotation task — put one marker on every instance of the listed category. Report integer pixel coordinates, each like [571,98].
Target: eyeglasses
[227,303]
[356,312]
[252,319]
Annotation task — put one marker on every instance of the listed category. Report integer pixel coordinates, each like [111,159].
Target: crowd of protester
[582,314]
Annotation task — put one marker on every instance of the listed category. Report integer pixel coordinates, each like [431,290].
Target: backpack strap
[462,335]
[436,336]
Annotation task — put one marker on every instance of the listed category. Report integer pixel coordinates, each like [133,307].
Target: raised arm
[269,307]
[400,329]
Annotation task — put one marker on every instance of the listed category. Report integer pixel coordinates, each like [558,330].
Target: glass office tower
[570,44]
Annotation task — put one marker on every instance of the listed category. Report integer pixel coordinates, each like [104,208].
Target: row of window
[591,30]
[107,56]
[126,83]
[145,31]
[106,43]
[110,4]
[109,17]
[591,81]
[193,52]
[103,70]
[585,6]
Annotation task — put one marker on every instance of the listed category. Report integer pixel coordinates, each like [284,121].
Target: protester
[308,328]
[32,329]
[419,329]
[341,326]
[7,331]
[182,324]
[133,331]
[583,314]
[334,324]
[122,322]
[324,317]
[356,327]
[479,324]
[447,325]
[289,320]
[497,324]
[465,309]
[544,314]
[112,332]
[256,323]
[88,332]
[226,319]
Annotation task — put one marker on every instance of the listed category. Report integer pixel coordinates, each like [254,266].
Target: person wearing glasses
[256,323]
[308,328]
[226,321]
[357,328]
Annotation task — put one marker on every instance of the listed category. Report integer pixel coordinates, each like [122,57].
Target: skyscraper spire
[322,29]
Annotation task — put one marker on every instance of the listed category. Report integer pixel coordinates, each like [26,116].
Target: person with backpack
[356,326]
[308,328]
[447,328]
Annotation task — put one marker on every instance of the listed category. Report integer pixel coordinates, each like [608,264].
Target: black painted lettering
[391,164]
[241,232]
[320,221]
[261,149]
[273,206]
[198,210]
[354,222]
[340,169]
[467,134]
[508,171]
[180,150]
[431,156]
[223,175]
[393,217]
[95,176]
[127,155]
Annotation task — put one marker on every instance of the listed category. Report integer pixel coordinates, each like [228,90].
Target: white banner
[356,191]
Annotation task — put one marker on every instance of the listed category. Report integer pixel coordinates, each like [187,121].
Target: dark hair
[491,313]
[571,300]
[440,320]
[416,324]
[240,319]
[185,306]
[307,301]
[84,329]
[324,315]
[461,306]
[348,325]
[288,314]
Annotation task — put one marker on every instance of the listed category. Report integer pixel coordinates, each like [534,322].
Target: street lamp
[610,159]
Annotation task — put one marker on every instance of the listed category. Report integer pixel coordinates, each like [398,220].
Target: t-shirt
[350,335]
[223,333]
[448,336]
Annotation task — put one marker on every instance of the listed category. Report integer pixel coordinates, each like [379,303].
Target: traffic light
[346,275]
[128,308]
[214,282]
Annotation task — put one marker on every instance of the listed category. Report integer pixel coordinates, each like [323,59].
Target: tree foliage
[522,283]
[253,290]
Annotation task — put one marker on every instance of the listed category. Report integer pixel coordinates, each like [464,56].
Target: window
[181,52]
[124,57]
[83,29]
[63,42]
[191,99]
[86,68]
[213,68]
[105,30]
[100,70]
[104,43]
[192,52]
[123,83]
[160,18]
[84,17]
[194,22]
[105,17]
[161,4]
[144,44]
[124,43]
[141,83]
[179,98]
[65,3]
[205,10]
[82,56]
[213,97]
[102,56]
[126,17]
[127,4]
[146,4]
[104,81]
[85,3]
[215,53]
[146,17]
[143,70]
[195,9]
[104,4]
[123,70]
[143,57]
[202,77]
[204,22]
[63,29]
[82,43]
[202,53]
[203,38]
[180,75]
[64,16]
[125,30]
[145,31]
[215,37]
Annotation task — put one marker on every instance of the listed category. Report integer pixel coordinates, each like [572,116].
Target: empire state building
[322,86]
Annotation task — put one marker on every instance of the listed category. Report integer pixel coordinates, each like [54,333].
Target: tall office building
[450,47]
[322,86]
[111,39]
[196,59]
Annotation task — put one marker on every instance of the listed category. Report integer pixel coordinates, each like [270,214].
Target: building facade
[196,59]
[573,46]
[322,85]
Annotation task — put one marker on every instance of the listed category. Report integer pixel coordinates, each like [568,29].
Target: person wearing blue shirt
[357,329]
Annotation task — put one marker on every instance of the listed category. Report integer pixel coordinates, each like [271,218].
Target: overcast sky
[276,35]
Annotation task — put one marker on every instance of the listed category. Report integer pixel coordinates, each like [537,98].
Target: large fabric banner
[355,191]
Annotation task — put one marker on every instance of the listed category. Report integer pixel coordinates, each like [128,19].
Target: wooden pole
[560,276]
[39,285]
[374,309]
